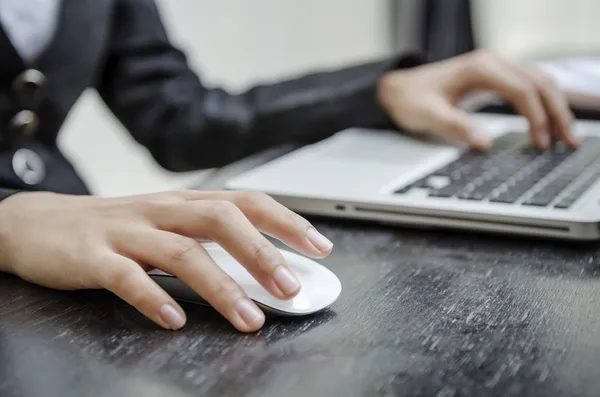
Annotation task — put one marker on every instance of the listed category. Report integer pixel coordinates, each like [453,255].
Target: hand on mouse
[425,98]
[82,242]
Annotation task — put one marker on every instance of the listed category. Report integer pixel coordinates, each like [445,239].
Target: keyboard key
[457,165]
[420,184]
[438,182]
[447,191]
[472,195]
[511,169]
[443,193]
[484,186]
[520,188]
[565,203]
[581,187]
[539,200]
[505,197]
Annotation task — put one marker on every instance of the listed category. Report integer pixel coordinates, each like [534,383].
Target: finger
[493,73]
[278,221]
[274,219]
[224,223]
[556,105]
[127,280]
[188,260]
[455,124]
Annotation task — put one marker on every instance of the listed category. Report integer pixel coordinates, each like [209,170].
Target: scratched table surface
[422,313]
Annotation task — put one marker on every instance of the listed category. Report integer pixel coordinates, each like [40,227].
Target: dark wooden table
[422,313]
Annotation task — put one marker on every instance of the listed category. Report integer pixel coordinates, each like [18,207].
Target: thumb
[455,123]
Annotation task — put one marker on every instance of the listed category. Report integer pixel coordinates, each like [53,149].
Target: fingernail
[172,317]
[248,312]
[319,241]
[285,280]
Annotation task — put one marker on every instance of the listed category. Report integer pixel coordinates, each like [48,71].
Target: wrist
[383,88]
[388,88]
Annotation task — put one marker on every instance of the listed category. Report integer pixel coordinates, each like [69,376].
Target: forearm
[215,128]
[149,86]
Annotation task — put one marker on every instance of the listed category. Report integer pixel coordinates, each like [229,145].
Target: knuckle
[527,96]
[226,289]
[539,123]
[545,87]
[548,82]
[539,120]
[526,91]
[120,278]
[124,281]
[545,80]
[252,200]
[295,221]
[265,257]
[152,206]
[175,196]
[219,212]
[456,126]
[182,252]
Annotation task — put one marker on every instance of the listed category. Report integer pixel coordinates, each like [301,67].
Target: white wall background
[528,29]
[237,42]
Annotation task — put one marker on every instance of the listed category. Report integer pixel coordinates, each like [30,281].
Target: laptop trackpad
[354,162]
[390,148]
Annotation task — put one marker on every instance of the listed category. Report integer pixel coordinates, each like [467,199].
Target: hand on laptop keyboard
[512,172]
[424,98]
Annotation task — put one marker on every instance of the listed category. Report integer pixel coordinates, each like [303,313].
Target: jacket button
[29,86]
[25,123]
[28,166]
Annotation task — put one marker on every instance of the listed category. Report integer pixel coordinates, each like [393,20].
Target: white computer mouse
[319,286]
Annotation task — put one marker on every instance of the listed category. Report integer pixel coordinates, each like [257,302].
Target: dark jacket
[438,28]
[447,29]
[120,48]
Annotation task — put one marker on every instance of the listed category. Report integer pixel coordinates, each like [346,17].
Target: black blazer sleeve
[149,86]
[4,193]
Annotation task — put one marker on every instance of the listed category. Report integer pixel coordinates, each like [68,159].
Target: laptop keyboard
[514,172]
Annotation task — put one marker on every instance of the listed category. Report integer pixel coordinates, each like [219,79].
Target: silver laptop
[385,176]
